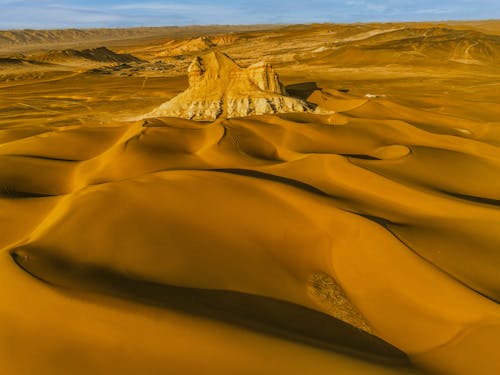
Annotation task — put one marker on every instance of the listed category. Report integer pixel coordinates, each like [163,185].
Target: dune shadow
[269,316]
[301,90]
[271,177]
[473,198]
[360,156]
[8,192]
[41,157]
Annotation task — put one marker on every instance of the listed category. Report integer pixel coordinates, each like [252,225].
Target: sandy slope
[360,242]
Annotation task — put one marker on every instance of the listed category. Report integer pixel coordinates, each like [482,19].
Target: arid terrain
[303,199]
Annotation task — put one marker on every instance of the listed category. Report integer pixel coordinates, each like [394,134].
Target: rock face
[218,86]
[176,48]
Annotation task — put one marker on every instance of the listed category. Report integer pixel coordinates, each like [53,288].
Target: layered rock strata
[218,86]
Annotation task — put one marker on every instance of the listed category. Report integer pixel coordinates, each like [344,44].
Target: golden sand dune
[363,240]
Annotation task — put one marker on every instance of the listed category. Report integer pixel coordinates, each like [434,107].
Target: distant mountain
[98,55]
[418,45]
[26,39]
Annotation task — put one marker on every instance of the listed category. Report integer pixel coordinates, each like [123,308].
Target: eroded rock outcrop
[97,55]
[218,86]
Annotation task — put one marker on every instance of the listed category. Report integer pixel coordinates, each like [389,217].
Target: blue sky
[112,13]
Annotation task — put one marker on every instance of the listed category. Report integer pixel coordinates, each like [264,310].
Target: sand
[363,240]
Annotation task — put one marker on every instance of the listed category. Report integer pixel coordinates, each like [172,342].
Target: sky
[39,14]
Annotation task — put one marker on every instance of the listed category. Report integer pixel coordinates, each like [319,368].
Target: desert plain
[270,199]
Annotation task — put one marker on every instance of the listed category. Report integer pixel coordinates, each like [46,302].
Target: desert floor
[363,240]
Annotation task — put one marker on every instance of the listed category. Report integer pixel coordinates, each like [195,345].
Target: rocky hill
[219,86]
[100,55]
[411,45]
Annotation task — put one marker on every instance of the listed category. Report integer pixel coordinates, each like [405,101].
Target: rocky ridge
[98,55]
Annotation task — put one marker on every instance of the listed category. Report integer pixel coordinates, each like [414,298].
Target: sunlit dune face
[356,235]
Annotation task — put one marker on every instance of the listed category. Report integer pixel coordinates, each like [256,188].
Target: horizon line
[247,24]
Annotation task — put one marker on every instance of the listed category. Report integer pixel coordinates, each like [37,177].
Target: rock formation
[195,45]
[219,86]
[97,55]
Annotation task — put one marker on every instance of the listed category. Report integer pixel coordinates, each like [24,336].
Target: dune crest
[218,85]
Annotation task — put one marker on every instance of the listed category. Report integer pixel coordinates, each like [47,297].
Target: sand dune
[363,240]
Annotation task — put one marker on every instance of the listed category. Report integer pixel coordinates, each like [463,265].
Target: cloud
[433,11]
[175,7]
[367,6]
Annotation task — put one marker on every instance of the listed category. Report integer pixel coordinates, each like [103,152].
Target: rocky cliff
[218,86]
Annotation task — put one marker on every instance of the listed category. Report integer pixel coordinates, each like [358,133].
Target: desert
[260,199]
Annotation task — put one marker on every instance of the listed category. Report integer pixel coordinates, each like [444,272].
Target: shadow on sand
[266,315]
[301,90]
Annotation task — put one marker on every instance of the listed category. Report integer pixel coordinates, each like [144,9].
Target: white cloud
[433,11]
[176,7]
[363,5]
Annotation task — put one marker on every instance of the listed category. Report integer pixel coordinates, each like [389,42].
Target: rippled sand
[363,241]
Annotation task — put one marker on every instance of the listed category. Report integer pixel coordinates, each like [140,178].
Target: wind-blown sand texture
[364,240]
